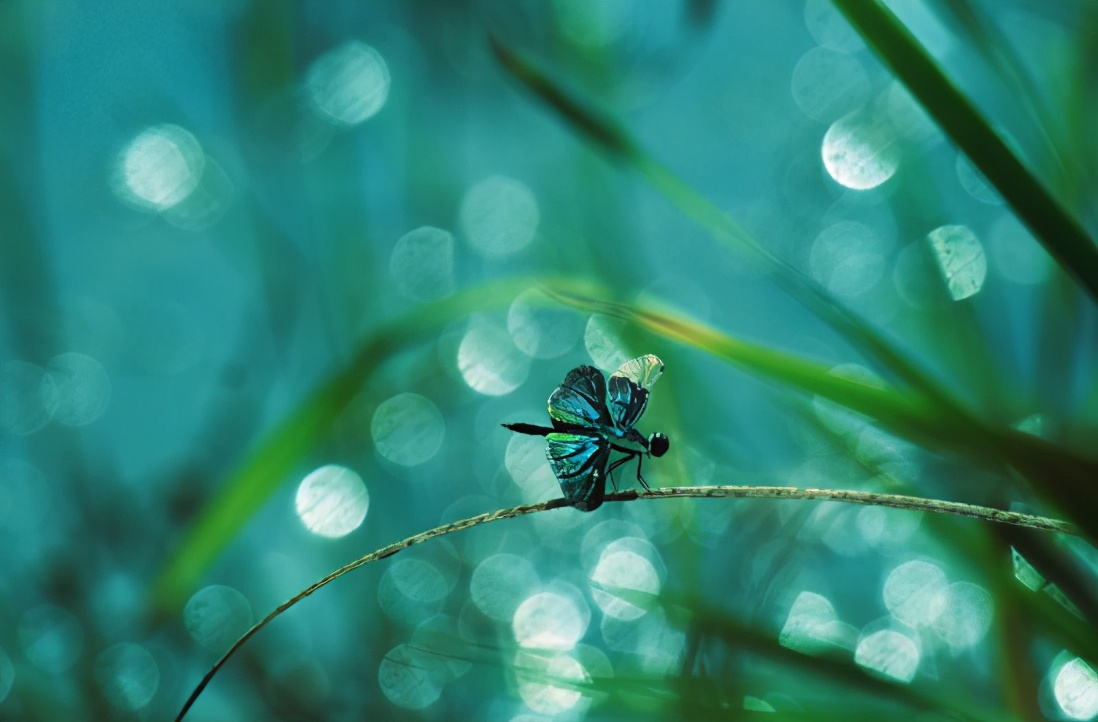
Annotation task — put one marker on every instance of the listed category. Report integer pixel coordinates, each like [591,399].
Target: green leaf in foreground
[1059,232]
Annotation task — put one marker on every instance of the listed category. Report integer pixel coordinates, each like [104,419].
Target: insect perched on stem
[590,419]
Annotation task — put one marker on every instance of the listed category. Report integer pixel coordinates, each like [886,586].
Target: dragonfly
[592,418]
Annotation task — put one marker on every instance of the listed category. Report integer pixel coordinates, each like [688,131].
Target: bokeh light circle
[76,389]
[349,83]
[499,216]
[1076,689]
[408,429]
[216,616]
[422,264]
[489,361]
[549,620]
[332,501]
[127,675]
[860,151]
[159,168]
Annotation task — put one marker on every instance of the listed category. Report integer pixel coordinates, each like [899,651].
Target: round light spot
[489,362]
[127,676]
[408,429]
[1076,690]
[349,83]
[411,591]
[960,258]
[217,616]
[542,328]
[810,625]
[593,23]
[499,216]
[827,84]
[860,151]
[76,388]
[422,264]
[549,620]
[418,580]
[409,679]
[22,411]
[159,168]
[624,584]
[51,637]
[543,696]
[603,340]
[500,583]
[966,615]
[848,258]
[890,653]
[332,501]
[913,592]
[1017,254]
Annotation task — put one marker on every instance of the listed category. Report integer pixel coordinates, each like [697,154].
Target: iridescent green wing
[579,463]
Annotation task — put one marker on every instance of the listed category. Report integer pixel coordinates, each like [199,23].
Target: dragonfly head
[658,444]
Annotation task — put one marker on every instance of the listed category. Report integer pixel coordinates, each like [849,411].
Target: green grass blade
[1062,476]
[1054,227]
[612,139]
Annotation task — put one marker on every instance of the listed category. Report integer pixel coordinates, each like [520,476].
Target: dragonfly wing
[626,402]
[579,463]
[643,370]
[581,399]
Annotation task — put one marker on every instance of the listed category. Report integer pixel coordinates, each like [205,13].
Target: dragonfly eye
[658,444]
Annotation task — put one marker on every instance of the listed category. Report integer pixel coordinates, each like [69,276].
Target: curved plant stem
[869,498]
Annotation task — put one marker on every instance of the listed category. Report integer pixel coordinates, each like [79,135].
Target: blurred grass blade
[1059,232]
[1062,476]
[839,667]
[276,455]
[609,136]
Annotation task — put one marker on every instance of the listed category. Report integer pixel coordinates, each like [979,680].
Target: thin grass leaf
[1054,227]
[839,667]
[611,138]
[1061,475]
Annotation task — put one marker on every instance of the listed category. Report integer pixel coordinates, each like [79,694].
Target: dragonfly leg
[616,464]
[640,460]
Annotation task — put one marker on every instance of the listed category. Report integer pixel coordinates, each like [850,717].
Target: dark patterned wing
[579,463]
[626,402]
[580,400]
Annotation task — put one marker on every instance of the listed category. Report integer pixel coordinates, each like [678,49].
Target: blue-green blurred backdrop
[210,209]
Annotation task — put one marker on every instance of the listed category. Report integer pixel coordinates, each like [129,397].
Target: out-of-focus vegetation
[272,275]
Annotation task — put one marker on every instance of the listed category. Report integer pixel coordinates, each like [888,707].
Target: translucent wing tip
[643,370]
